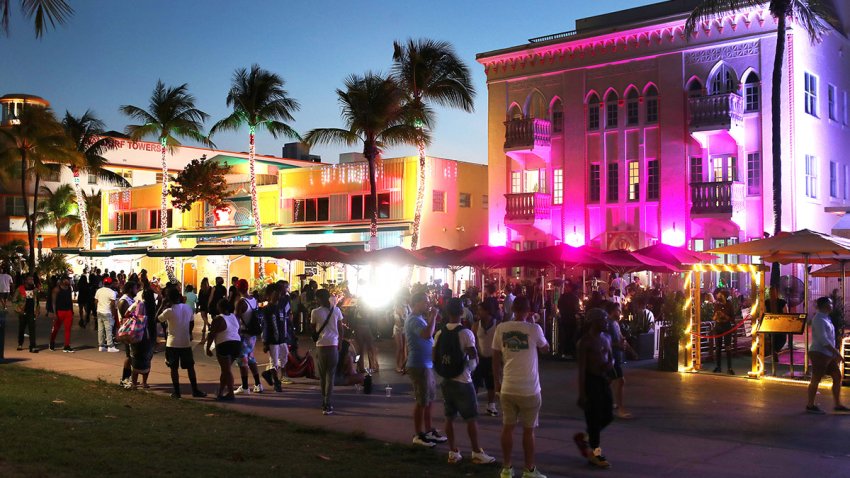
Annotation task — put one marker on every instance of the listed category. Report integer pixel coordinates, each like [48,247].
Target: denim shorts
[424,387]
[459,398]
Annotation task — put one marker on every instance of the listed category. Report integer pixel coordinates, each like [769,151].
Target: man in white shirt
[178,345]
[104,300]
[515,347]
[825,357]
[5,287]
[459,396]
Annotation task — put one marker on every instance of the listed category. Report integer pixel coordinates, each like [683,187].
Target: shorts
[823,364]
[524,409]
[231,348]
[483,374]
[424,387]
[459,398]
[179,357]
[248,343]
[616,371]
[4,295]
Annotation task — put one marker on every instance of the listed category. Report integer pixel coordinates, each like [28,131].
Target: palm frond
[231,123]
[816,17]
[277,129]
[331,136]
[402,134]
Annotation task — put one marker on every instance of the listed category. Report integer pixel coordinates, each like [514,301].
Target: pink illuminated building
[625,132]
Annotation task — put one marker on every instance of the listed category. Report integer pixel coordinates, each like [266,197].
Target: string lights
[255,209]
[163,211]
[82,211]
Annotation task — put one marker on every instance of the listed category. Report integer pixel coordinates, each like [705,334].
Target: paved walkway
[684,425]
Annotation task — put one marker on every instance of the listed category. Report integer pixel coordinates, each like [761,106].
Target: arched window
[536,106]
[752,93]
[593,112]
[515,112]
[694,88]
[651,100]
[723,80]
[611,109]
[557,116]
[632,111]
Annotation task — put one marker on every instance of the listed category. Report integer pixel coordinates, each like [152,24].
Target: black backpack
[449,357]
[256,323]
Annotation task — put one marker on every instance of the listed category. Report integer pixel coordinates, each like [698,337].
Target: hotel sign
[782,324]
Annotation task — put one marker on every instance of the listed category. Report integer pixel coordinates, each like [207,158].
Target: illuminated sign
[782,324]
[225,215]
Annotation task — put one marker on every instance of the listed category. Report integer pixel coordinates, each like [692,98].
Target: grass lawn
[58,425]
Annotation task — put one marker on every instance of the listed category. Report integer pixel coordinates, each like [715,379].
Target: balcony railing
[721,197]
[716,111]
[526,133]
[527,207]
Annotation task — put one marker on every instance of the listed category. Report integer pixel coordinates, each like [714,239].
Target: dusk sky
[112,53]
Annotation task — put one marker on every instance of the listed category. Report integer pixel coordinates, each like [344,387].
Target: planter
[645,346]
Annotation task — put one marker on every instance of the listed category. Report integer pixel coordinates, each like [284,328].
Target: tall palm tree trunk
[255,208]
[163,212]
[776,137]
[371,157]
[82,211]
[33,231]
[420,198]
[27,216]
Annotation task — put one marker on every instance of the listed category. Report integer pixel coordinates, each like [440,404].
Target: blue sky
[112,53]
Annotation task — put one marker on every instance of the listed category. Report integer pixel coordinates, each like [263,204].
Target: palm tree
[171,115]
[41,12]
[375,115]
[55,209]
[430,71]
[32,148]
[87,132]
[75,226]
[815,16]
[258,101]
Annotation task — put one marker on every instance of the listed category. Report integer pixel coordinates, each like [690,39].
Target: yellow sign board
[782,324]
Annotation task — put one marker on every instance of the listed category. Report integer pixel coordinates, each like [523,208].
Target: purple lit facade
[625,133]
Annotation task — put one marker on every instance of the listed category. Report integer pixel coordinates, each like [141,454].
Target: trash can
[668,352]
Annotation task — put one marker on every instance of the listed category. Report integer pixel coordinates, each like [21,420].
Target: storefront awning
[117,251]
[219,234]
[221,250]
[132,237]
[339,228]
[176,252]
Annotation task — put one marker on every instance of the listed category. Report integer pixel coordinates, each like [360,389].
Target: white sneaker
[535,473]
[455,457]
[421,440]
[286,381]
[101,349]
[258,388]
[241,391]
[507,473]
[112,350]
[482,458]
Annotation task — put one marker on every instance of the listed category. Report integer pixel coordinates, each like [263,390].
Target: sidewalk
[685,425]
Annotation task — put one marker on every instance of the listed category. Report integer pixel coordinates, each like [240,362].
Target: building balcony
[720,199]
[528,136]
[526,208]
[716,114]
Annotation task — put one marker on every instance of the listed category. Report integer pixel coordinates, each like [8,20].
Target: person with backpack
[326,320]
[274,337]
[178,345]
[251,318]
[455,357]
[418,332]
[515,371]
[141,352]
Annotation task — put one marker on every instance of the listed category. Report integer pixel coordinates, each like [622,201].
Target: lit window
[696,170]
[543,186]
[752,93]
[438,202]
[833,179]
[558,186]
[811,177]
[613,182]
[651,105]
[516,182]
[634,181]
[754,174]
[810,94]
[632,111]
[832,96]
[593,113]
[465,200]
[595,180]
[653,180]
[92,178]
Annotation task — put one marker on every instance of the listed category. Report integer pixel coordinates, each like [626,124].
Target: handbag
[132,329]
[315,335]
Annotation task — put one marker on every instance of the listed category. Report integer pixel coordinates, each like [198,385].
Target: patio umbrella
[680,257]
[561,255]
[488,257]
[623,262]
[395,255]
[839,269]
[436,256]
[323,254]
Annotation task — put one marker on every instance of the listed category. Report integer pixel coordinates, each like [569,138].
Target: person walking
[515,372]
[619,346]
[418,332]
[485,329]
[326,320]
[224,332]
[219,291]
[128,298]
[178,345]
[825,358]
[83,300]
[190,298]
[26,306]
[204,306]
[274,337]
[104,302]
[724,322]
[63,307]
[141,353]
[595,362]
[455,357]
[246,304]
[5,286]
